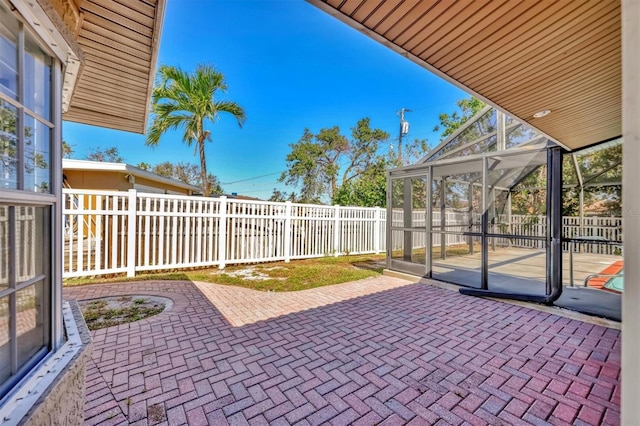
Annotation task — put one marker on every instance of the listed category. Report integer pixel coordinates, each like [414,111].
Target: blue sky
[291,66]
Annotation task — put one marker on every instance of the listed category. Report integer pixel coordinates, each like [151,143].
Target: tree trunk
[206,185]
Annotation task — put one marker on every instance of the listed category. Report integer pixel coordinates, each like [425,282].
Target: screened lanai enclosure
[500,210]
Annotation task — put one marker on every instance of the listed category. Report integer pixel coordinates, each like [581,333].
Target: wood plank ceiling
[120,40]
[521,56]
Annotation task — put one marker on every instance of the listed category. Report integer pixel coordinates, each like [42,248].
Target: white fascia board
[93,165]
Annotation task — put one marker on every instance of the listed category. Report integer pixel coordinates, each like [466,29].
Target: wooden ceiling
[120,40]
[520,56]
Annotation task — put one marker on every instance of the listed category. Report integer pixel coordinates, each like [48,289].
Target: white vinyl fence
[109,232]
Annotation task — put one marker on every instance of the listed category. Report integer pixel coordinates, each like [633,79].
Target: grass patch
[277,276]
[103,313]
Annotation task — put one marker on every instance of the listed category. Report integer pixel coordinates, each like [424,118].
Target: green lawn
[276,276]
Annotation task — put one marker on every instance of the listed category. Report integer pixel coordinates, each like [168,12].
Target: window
[27,203]
[24,287]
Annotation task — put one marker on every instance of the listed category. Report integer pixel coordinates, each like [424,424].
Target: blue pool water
[616,283]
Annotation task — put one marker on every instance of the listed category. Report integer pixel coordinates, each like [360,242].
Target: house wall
[110,181]
[115,181]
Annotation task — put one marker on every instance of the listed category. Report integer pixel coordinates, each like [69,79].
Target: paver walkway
[377,351]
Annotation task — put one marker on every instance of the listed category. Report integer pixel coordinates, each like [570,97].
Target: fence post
[132,233]
[376,230]
[336,230]
[287,231]
[222,234]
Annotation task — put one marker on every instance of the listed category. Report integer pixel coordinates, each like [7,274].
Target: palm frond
[187,101]
[232,108]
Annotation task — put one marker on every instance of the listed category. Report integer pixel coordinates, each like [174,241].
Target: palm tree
[187,101]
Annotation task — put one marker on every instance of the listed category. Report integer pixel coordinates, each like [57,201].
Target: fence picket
[114,232]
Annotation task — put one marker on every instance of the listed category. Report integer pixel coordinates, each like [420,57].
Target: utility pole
[404,129]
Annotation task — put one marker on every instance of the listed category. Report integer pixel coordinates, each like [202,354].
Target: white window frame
[53,200]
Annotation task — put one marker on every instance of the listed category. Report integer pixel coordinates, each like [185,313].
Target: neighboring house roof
[86,165]
[524,57]
[242,197]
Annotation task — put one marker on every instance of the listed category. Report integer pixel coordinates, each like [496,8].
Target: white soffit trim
[42,25]
[340,16]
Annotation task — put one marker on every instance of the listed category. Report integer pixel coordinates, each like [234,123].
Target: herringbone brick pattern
[413,354]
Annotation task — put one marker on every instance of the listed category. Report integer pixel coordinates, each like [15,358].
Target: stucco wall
[63,401]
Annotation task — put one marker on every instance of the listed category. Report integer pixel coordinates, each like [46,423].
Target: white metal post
[376,230]
[500,134]
[57,231]
[336,230]
[131,234]
[287,231]
[222,234]
[630,375]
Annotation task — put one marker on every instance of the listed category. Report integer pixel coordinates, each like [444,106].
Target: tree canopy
[185,172]
[369,189]
[449,123]
[320,164]
[105,155]
[282,196]
[67,150]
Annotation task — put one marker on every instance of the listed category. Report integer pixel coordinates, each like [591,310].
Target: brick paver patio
[377,351]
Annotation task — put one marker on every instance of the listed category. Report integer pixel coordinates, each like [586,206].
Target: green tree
[67,150]
[368,190]
[187,173]
[282,196]
[322,163]
[529,197]
[601,171]
[414,151]
[107,155]
[144,166]
[189,102]
[467,108]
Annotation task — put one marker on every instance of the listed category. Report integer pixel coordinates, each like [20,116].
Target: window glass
[37,79]
[31,242]
[8,54]
[4,248]
[25,232]
[8,146]
[37,155]
[30,330]
[5,351]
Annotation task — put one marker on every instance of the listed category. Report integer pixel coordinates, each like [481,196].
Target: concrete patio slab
[376,351]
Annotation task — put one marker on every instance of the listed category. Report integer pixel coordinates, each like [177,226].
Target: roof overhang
[99,166]
[119,41]
[519,56]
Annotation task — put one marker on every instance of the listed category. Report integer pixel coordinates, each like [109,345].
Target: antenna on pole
[404,129]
